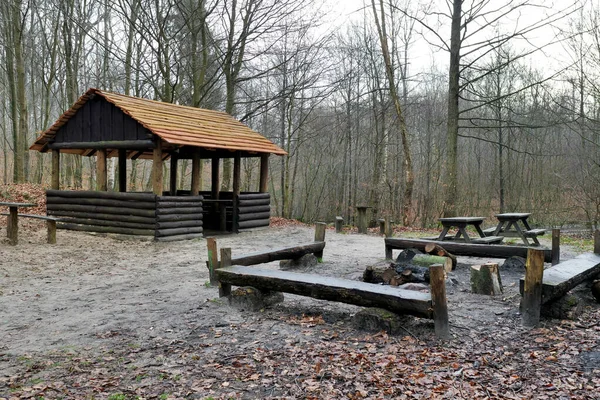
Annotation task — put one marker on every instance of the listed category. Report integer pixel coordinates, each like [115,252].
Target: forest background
[415,108]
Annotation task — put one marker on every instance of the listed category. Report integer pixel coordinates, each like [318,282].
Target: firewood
[437,250]
[596,290]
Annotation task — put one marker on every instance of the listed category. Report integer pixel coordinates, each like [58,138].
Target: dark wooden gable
[100,121]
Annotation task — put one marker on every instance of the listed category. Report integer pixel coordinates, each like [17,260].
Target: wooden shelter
[105,124]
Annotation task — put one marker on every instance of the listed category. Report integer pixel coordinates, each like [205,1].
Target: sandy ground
[89,289]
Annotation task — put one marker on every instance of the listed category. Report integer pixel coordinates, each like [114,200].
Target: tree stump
[567,307]
[485,279]
[252,299]
[377,320]
[306,261]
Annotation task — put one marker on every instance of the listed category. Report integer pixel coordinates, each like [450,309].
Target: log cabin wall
[162,217]
[254,210]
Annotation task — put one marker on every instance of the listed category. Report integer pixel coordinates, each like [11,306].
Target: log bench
[461,249]
[488,240]
[50,224]
[424,305]
[564,276]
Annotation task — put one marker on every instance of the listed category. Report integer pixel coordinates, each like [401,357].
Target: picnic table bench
[515,225]
[461,223]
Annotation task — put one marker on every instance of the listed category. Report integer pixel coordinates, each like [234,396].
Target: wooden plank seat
[330,288]
[562,277]
[534,232]
[490,231]
[50,223]
[488,240]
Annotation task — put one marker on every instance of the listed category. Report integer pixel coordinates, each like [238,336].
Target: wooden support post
[339,223]
[173,175]
[12,226]
[381,223]
[555,246]
[213,259]
[597,241]
[237,177]
[438,298]
[388,252]
[196,174]
[214,183]
[55,170]
[362,219]
[101,171]
[51,225]
[320,237]
[122,170]
[388,227]
[532,294]
[225,288]
[263,186]
[157,169]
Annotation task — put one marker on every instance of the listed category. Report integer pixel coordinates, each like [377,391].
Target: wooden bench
[534,233]
[488,240]
[562,277]
[490,231]
[50,224]
[424,305]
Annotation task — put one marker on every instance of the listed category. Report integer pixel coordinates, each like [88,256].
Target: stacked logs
[106,212]
[178,217]
[254,210]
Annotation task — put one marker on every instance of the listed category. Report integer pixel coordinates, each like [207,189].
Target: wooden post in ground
[157,169]
[173,175]
[214,181]
[264,174]
[381,223]
[101,174]
[597,241]
[388,227]
[438,297]
[51,226]
[213,259]
[320,237]
[555,246]
[532,294]
[122,170]
[196,174]
[12,226]
[339,223]
[237,177]
[225,288]
[55,169]
[362,219]
[388,252]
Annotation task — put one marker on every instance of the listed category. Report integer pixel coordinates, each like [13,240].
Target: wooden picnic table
[12,228]
[516,225]
[461,223]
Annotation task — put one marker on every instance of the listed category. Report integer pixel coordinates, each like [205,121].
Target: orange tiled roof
[175,124]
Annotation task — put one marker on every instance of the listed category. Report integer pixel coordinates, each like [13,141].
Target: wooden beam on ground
[101,171]
[122,170]
[561,278]
[55,170]
[263,186]
[330,288]
[463,249]
[532,293]
[157,169]
[288,253]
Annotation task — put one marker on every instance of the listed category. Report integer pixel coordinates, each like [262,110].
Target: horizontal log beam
[178,210]
[101,195]
[288,253]
[178,231]
[107,144]
[101,209]
[252,196]
[108,217]
[257,202]
[463,249]
[180,198]
[255,216]
[148,205]
[103,222]
[178,204]
[179,224]
[179,217]
[105,229]
[179,237]
[330,288]
[253,209]
[253,223]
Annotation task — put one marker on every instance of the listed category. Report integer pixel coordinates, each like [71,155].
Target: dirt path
[91,293]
